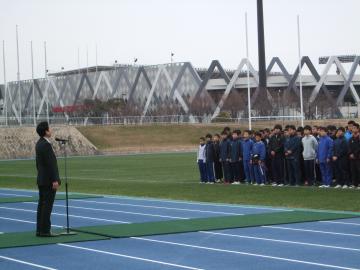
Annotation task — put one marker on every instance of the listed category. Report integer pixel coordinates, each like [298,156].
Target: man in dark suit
[48,180]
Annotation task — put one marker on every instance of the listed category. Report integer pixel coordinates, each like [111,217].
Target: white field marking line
[116,211]
[281,241]
[340,222]
[102,179]
[18,189]
[130,257]
[199,203]
[27,263]
[27,221]
[312,231]
[15,195]
[159,207]
[59,214]
[246,254]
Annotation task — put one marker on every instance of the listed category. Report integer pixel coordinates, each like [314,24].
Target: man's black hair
[351,122]
[208,136]
[291,127]
[217,135]
[247,131]
[237,131]
[258,134]
[202,138]
[278,127]
[42,128]
[356,125]
[341,128]
[308,128]
[300,129]
[323,128]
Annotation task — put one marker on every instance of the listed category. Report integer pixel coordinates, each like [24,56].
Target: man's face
[223,136]
[202,141]
[339,133]
[291,132]
[234,136]
[258,138]
[246,135]
[314,131]
[350,127]
[208,139]
[322,133]
[306,132]
[216,138]
[355,130]
[48,133]
[276,131]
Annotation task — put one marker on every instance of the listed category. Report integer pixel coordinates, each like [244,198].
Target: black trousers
[45,206]
[341,171]
[355,171]
[309,171]
[293,169]
[277,166]
[218,170]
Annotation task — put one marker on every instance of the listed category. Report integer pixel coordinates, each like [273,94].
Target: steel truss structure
[179,88]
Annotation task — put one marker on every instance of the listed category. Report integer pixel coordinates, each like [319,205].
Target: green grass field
[172,176]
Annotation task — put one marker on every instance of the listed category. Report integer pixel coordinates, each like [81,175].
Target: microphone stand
[63,143]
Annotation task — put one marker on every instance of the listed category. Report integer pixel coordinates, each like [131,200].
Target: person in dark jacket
[235,157]
[209,159]
[276,155]
[225,156]
[324,156]
[340,159]
[354,155]
[217,163]
[292,149]
[48,180]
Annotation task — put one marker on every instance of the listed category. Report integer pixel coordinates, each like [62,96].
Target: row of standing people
[323,156]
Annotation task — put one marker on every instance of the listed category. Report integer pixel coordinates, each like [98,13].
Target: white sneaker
[262,184]
[358,187]
[274,184]
[326,186]
[344,187]
[280,185]
[338,186]
[236,183]
[255,184]
[322,186]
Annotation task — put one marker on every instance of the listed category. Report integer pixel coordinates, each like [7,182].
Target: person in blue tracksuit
[258,157]
[201,159]
[210,158]
[247,144]
[324,156]
[235,157]
[225,156]
[348,133]
[292,150]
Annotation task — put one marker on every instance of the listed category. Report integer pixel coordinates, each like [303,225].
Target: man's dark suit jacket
[46,164]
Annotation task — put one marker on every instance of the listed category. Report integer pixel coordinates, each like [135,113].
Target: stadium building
[181,89]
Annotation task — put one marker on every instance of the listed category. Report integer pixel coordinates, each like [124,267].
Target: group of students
[312,156]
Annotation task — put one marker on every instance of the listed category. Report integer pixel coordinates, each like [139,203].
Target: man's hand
[352,156]
[55,185]
[273,153]
[335,158]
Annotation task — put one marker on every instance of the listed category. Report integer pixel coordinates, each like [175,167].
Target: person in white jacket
[310,145]
[201,160]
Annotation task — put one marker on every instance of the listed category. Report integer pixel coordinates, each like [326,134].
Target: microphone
[61,140]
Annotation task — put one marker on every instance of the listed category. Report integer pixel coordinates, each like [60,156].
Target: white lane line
[27,263]
[130,257]
[59,214]
[312,231]
[199,203]
[15,195]
[246,254]
[281,241]
[27,221]
[160,207]
[341,222]
[115,211]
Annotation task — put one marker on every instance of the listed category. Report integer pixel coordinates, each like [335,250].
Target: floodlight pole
[33,83]
[261,45]
[300,75]
[47,89]
[5,86]
[247,71]
[18,74]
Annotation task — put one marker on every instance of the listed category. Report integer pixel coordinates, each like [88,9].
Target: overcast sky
[195,30]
